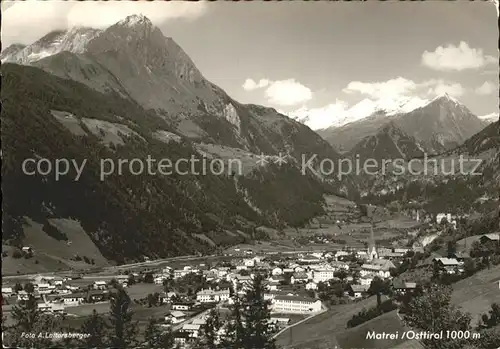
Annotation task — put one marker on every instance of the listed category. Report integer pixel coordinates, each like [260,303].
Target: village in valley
[182,293]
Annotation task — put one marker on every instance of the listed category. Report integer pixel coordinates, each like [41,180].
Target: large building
[323,275]
[295,305]
[210,296]
[378,267]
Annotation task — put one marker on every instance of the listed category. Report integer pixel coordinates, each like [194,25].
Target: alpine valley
[129,92]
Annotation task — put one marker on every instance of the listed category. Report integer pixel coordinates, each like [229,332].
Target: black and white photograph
[250,174]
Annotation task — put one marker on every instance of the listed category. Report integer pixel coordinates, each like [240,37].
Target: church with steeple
[372,248]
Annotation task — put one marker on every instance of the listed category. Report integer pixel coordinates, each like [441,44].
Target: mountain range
[128,92]
[440,125]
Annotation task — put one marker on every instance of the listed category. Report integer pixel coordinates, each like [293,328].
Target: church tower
[372,248]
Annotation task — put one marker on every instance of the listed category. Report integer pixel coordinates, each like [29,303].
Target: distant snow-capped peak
[490,118]
[74,40]
[338,114]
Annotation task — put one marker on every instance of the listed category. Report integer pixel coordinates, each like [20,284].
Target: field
[476,294]
[51,254]
[465,244]
[387,323]
[321,331]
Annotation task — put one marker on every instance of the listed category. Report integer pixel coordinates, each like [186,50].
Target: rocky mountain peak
[136,20]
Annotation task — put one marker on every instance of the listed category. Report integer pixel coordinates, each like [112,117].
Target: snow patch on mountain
[490,118]
[74,40]
[337,115]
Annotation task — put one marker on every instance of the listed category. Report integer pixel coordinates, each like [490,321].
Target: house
[199,321]
[181,338]
[277,271]
[44,307]
[298,278]
[63,291]
[295,305]
[379,267]
[44,288]
[402,287]
[175,317]
[27,249]
[279,320]
[273,285]
[401,250]
[448,265]
[95,296]
[441,216]
[22,296]
[311,286]
[167,297]
[366,280]
[192,329]
[342,254]
[158,279]
[100,285]
[184,306]
[249,262]
[338,265]
[73,299]
[357,291]
[299,269]
[495,237]
[57,308]
[8,292]
[211,296]
[322,275]
[309,259]
[179,273]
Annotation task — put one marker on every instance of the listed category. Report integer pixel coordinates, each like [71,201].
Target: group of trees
[248,326]
[367,314]
[378,287]
[432,311]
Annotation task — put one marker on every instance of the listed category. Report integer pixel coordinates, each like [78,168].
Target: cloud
[287,92]
[440,87]
[456,58]
[282,92]
[397,86]
[26,21]
[250,84]
[402,87]
[486,89]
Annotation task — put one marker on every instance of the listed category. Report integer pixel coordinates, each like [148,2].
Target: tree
[149,278]
[235,331]
[95,327]
[155,338]
[123,330]
[379,287]
[29,319]
[491,319]
[469,267]
[210,329]
[432,311]
[257,313]
[341,274]
[29,288]
[451,248]
[18,287]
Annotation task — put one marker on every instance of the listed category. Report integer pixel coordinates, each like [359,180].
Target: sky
[321,56]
